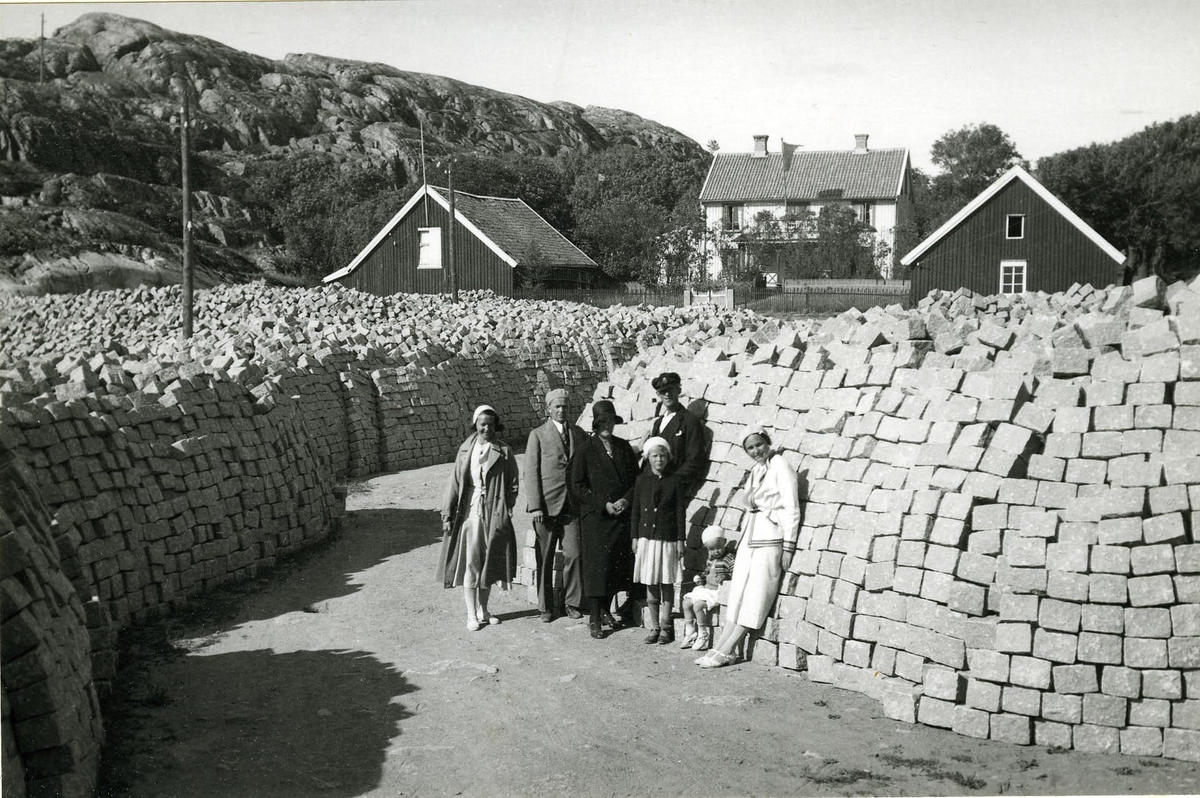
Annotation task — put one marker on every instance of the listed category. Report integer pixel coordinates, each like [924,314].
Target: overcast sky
[1053,74]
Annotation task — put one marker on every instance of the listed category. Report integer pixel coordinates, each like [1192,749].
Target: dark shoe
[666,636]
[597,632]
[652,637]
[547,617]
[574,614]
[612,623]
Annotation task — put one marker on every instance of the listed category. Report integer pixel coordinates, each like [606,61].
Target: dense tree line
[1142,193]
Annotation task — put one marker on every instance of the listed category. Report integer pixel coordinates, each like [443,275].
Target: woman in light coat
[770,529]
[479,546]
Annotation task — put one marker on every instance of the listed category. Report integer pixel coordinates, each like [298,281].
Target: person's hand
[611,509]
[697,579]
[537,516]
[445,525]
[620,504]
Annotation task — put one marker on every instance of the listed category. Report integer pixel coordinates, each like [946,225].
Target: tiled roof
[517,229]
[874,174]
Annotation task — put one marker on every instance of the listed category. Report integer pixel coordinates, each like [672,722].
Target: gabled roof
[508,227]
[1016,173]
[870,175]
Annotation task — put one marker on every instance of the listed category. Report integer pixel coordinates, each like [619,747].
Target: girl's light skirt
[656,562]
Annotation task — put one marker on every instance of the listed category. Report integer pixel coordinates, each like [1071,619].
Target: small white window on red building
[1012,276]
[431,248]
[1014,225]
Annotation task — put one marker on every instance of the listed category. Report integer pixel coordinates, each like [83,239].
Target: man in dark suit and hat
[682,430]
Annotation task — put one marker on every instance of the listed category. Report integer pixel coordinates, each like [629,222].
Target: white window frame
[434,247]
[1024,272]
[1007,220]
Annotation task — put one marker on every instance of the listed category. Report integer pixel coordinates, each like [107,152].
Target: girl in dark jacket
[659,528]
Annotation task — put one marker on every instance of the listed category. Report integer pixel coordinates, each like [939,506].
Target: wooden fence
[818,297]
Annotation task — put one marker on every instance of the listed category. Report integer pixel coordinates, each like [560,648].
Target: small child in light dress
[702,600]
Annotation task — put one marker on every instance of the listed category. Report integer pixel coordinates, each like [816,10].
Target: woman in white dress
[770,529]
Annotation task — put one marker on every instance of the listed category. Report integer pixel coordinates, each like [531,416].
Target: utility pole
[188,276]
[424,182]
[42,52]
[450,188]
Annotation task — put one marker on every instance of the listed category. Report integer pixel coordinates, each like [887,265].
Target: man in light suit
[547,466]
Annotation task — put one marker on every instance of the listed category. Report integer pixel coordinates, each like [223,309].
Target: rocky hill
[89,159]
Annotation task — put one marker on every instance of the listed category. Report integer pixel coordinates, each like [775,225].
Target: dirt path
[349,672]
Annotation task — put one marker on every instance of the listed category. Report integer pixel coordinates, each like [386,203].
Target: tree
[970,159]
[627,202]
[807,246]
[621,235]
[1139,193]
[534,271]
[309,203]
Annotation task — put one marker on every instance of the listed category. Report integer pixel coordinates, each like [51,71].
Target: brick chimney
[860,142]
[760,146]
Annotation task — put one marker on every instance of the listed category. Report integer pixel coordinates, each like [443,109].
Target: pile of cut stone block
[1002,497]
[167,469]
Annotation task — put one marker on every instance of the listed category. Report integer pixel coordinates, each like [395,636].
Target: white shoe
[689,637]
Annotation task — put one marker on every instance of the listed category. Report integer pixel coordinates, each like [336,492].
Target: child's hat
[655,443]
[712,534]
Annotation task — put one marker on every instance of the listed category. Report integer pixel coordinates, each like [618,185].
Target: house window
[862,212]
[1014,225]
[430,248]
[1012,276]
[733,216]
[796,208]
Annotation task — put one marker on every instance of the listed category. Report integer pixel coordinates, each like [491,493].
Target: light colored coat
[500,495]
[775,491]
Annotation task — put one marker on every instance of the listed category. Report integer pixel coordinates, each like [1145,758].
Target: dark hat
[604,410]
[665,380]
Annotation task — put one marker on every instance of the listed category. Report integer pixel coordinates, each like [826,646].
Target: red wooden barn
[493,238]
[1014,237]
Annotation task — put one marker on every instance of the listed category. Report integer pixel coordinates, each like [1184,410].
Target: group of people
[621,522]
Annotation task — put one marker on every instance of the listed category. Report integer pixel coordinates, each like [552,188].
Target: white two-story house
[875,183]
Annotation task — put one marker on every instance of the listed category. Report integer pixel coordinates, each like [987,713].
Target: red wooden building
[494,238]
[1014,237]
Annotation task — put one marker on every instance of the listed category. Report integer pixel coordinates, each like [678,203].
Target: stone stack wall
[166,470]
[1002,497]
[52,729]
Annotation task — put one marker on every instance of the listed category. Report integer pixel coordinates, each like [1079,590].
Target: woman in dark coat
[602,473]
[479,547]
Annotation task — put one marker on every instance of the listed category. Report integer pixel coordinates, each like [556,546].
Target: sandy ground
[348,671]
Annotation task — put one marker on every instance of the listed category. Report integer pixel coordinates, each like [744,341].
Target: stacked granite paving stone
[1002,503]
[169,469]
[50,700]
